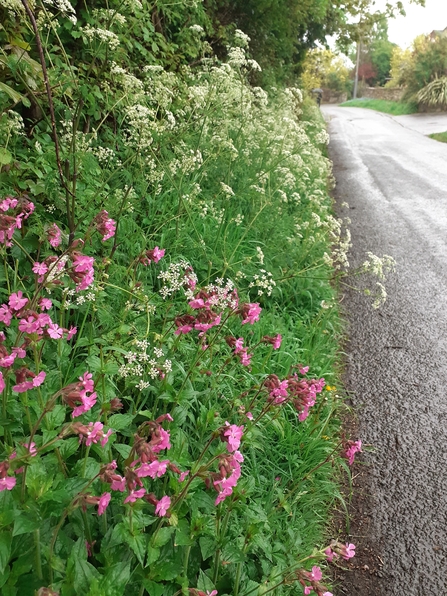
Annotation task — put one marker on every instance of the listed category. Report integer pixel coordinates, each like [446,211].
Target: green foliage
[232,183]
[439,136]
[397,108]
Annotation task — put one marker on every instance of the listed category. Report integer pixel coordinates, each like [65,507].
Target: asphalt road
[395,181]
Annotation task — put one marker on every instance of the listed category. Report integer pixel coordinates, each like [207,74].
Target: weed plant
[439,136]
[396,108]
[169,329]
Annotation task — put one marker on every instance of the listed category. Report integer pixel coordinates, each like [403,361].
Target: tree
[324,68]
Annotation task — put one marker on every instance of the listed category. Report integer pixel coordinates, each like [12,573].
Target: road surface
[395,182]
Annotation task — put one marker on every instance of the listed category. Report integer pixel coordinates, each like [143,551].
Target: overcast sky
[403,30]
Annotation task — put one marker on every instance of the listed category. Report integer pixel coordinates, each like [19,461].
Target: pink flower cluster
[337,549]
[93,433]
[102,501]
[152,256]
[231,434]
[351,448]
[82,391]
[105,225]
[6,482]
[313,577]
[250,312]
[229,473]
[275,342]
[147,465]
[54,235]
[301,393]
[30,322]
[22,384]
[82,272]
[239,350]
[20,208]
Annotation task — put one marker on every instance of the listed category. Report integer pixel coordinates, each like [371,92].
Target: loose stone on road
[395,181]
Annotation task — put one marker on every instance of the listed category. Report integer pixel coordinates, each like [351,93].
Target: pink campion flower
[54,235]
[330,554]
[87,382]
[245,357]
[39,379]
[105,225]
[152,256]
[249,415]
[155,469]
[7,483]
[2,382]
[71,332]
[162,442]
[233,435]
[162,506]
[19,351]
[54,331]
[303,369]
[23,386]
[82,272]
[40,268]
[16,301]
[94,433]
[104,502]
[30,325]
[119,484]
[45,304]
[274,341]
[134,495]
[182,476]
[2,337]
[184,324]
[327,594]
[250,312]
[348,551]
[238,345]
[352,449]
[31,448]
[5,315]
[315,575]
[7,360]
[307,590]
[197,303]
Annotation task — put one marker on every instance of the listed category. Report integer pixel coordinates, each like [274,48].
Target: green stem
[38,559]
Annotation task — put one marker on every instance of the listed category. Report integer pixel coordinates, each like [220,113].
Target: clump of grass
[396,108]
[439,136]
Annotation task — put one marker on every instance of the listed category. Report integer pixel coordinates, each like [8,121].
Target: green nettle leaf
[57,416]
[232,554]
[167,570]
[38,480]
[5,156]
[120,421]
[183,534]
[80,573]
[116,579]
[25,523]
[208,546]
[5,550]
[138,545]
[123,450]
[68,447]
[153,588]
[162,536]
[152,555]
[204,583]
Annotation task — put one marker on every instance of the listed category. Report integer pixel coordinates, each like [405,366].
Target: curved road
[395,181]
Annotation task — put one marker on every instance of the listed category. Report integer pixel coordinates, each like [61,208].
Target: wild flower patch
[168,322]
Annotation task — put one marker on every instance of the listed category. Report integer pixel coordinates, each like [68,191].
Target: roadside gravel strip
[395,181]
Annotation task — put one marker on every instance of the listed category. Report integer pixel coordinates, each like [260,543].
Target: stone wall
[389,94]
[330,96]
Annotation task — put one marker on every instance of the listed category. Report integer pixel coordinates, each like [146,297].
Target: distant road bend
[395,181]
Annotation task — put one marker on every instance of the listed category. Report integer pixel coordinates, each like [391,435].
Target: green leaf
[116,579]
[120,421]
[208,546]
[25,524]
[5,156]
[138,545]
[16,97]
[203,501]
[162,536]
[232,554]
[167,570]
[183,534]
[153,588]
[152,555]
[68,447]
[5,550]
[123,450]
[204,583]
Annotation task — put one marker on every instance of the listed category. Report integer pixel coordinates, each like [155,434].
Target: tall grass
[396,108]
